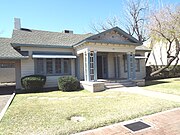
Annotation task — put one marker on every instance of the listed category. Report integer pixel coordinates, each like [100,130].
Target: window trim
[54,67]
[137,62]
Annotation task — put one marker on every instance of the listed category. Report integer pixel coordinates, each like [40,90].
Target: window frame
[137,62]
[53,67]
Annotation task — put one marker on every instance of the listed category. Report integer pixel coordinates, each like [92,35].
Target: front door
[101,67]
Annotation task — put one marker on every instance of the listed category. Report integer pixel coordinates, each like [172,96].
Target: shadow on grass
[22,91]
[154,82]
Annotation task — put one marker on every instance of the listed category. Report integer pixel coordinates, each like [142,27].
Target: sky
[58,15]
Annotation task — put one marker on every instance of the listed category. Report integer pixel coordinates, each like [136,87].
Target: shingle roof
[46,38]
[7,51]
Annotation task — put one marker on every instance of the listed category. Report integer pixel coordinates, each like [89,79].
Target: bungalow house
[112,54]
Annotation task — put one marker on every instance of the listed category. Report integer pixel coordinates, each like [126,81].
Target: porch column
[134,66]
[95,66]
[129,66]
[86,65]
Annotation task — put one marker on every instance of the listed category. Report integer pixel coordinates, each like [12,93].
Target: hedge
[68,83]
[33,82]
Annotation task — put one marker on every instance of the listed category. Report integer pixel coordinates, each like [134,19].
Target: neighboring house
[158,55]
[112,54]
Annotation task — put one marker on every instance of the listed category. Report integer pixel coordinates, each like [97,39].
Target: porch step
[111,85]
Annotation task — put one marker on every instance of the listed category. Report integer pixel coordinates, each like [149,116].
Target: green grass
[170,86]
[44,116]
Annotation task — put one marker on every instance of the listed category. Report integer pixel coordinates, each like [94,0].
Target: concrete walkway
[140,91]
[163,123]
[6,96]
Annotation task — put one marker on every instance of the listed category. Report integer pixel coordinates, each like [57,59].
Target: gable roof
[39,38]
[120,31]
[130,39]
[29,37]
[7,51]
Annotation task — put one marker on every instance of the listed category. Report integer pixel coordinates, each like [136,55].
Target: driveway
[6,93]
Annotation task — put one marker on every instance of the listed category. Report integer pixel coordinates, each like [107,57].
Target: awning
[53,56]
[140,57]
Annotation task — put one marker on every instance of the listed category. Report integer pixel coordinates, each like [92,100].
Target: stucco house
[158,55]
[112,54]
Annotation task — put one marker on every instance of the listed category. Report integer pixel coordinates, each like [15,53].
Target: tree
[135,12]
[164,25]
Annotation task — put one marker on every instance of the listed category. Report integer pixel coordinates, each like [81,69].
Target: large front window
[53,66]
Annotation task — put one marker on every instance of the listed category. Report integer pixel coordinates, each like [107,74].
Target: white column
[88,65]
[95,65]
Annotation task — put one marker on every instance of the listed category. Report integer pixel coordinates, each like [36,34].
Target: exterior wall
[27,65]
[81,67]
[7,75]
[105,48]
[158,55]
[142,73]
[123,74]
[111,65]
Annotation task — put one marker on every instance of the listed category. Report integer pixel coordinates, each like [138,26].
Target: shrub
[33,82]
[68,83]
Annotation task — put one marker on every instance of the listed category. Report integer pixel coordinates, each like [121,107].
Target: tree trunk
[171,60]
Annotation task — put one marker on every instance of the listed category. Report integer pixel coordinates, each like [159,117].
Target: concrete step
[119,85]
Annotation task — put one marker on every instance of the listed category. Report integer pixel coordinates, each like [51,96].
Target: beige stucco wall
[110,65]
[27,65]
[81,66]
[105,48]
[7,75]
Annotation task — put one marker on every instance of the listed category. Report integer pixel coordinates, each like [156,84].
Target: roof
[142,48]
[7,51]
[45,38]
[131,40]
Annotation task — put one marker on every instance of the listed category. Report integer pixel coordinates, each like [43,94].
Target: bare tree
[164,25]
[104,25]
[136,18]
[135,12]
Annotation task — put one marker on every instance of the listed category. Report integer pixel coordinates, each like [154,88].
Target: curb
[7,105]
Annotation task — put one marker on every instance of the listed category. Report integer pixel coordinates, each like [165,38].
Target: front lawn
[50,112]
[170,86]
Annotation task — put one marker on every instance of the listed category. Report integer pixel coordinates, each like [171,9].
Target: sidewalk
[140,91]
[6,96]
[163,123]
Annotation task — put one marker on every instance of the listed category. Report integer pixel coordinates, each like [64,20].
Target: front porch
[95,66]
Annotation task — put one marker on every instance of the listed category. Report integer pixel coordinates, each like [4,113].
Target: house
[158,55]
[112,54]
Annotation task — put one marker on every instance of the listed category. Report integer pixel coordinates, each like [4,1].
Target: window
[66,66]
[58,66]
[53,66]
[137,64]
[49,66]
[39,66]
[7,65]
